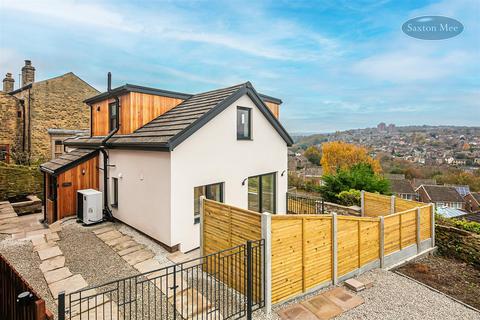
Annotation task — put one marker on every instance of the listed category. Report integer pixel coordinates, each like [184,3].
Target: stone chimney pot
[28,73]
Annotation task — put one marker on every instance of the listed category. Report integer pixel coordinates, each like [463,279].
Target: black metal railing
[224,285]
[304,204]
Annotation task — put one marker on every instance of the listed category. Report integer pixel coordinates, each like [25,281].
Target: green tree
[359,177]
[313,155]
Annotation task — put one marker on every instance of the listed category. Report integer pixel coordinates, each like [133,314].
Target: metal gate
[225,285]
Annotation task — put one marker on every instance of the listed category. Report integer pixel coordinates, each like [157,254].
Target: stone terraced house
[38,116]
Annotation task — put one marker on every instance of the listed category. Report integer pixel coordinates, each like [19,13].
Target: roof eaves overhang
[70,165]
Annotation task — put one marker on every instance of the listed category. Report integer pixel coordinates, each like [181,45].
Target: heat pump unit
[89,206]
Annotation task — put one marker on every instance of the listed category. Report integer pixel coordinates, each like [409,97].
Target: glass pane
[243,125]
[268,193]
[214,192]
[197,193]
[254,194]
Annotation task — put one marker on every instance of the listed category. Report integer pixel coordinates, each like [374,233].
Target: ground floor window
[211,191]
[262,193]
[115,192]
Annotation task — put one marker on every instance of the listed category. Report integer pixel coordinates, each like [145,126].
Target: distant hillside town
[425,145]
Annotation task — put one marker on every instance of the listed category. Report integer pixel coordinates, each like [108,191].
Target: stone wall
[56,103]
[457,243]
[341,210]
[16,180]
[9,121]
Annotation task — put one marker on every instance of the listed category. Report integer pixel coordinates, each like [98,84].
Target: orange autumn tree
[341,155]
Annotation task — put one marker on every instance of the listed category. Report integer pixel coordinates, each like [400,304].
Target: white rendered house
[226,144]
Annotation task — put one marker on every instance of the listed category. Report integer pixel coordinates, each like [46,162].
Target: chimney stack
[8,82]
[28,73]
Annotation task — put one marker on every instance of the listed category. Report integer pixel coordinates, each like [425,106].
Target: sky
[336,65]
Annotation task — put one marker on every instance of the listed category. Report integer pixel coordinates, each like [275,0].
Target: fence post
[249,280]
[382,242]
[267,273]
[418,229]
[392,204]
[334,249]
[323,206]
[432,227]
[362,203]
[61,305]
[202,208]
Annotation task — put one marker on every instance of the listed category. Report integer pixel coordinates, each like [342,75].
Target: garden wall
[17,180]
[458,243]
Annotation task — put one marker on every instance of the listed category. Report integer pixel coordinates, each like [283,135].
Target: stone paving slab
[138,256]
[184,304]
[109,235]
[96,301]
[38,240]
[296,312]
[343,298]
[52,264]
[103,230]
[57,275]
[48,253]
[322,307]
[37,232]
[125,245]
[44,245]
[129,250]
[147,265]
[68,285]
[116,241]
[108,311]
[53,236]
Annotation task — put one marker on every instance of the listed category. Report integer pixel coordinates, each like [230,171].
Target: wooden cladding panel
[376,205]
[136,110]
[275,108]
[287,270]
[69,182]
[425,222]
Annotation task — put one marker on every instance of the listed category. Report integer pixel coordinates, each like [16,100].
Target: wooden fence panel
[425,222]
[408,228]
[348,245]
[404,205]
[392,234]
[287,256]
[376,205]
[317,255]
[369,241]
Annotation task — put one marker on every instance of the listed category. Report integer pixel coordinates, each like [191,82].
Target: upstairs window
[112,116]
[244,123]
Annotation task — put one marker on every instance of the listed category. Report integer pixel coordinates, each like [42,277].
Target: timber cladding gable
[136,110]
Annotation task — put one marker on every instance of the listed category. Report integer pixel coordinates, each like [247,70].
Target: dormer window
[112,116]
[244,123]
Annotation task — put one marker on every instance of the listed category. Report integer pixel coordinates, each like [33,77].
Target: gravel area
[395,297]
[21,255]
[89,256]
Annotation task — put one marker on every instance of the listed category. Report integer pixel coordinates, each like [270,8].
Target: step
[186,303]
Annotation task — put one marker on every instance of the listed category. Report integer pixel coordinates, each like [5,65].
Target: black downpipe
[106,210]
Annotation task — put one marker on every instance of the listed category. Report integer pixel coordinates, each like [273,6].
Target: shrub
[349,198]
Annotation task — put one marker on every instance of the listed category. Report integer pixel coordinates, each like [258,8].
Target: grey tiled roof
[401,186]
[67,160]
[172,127]
[443,194]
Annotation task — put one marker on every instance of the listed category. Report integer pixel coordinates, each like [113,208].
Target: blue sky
[336,64]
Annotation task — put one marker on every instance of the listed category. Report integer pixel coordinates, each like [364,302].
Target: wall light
[83,171]
[243,182]
[283,172]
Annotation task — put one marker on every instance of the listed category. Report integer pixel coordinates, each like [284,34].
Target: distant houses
[441,196]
